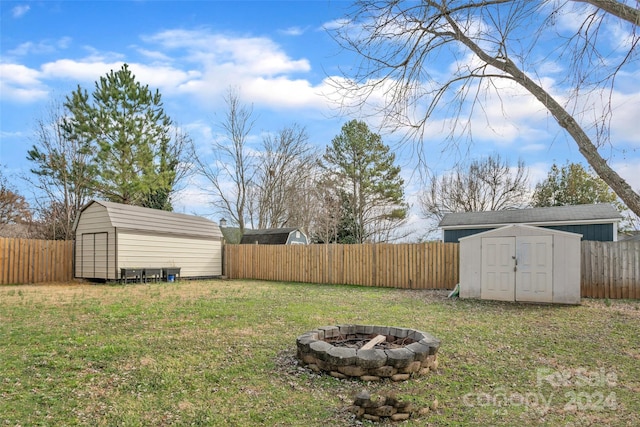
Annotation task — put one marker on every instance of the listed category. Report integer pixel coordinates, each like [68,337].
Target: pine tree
[129,133]
[373,190]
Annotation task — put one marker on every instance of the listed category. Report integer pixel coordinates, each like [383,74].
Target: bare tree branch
[398,43]
[231,169]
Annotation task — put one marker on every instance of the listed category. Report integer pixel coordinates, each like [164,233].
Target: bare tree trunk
[616,8]
[232,163]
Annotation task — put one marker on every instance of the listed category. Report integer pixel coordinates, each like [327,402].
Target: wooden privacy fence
[610,269]
[409,266]
[34,261]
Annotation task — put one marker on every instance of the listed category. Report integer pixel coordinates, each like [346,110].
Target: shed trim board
[521,263]
[139,237]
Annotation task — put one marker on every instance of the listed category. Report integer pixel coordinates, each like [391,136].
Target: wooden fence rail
[409,266]
[34,261]
[610,269]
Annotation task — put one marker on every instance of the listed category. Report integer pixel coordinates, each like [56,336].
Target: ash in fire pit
[368,352]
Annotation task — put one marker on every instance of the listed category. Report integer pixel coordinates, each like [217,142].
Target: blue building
[594,222]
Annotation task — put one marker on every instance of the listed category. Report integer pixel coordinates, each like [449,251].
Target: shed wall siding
[470,269]
[566,269]
[94,220]
[195,257]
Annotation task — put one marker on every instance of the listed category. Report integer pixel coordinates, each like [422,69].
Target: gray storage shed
[275,236]
[521,263]
[594,222]
[112,236]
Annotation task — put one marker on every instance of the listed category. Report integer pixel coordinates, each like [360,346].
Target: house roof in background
[232,235]
[267,236]
[157,221]
[588,214]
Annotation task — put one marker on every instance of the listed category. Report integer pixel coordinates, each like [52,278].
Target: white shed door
[498,275]
[517,268]
[534,272]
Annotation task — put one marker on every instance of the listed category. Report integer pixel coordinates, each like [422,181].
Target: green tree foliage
[124,125]
[572,185]
[371,185]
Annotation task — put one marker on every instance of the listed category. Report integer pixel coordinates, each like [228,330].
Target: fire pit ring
[342,351]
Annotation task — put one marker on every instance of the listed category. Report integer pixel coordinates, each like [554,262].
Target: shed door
[94,256]
[534,274]
[517,268]
[498,275]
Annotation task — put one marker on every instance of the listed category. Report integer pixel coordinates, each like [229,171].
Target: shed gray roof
[158,221]
[596,213]
[267,236]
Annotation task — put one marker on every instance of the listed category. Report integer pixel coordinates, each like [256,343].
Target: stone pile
[319,351]
[389,407]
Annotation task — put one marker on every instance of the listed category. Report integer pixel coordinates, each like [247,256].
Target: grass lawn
[223,353]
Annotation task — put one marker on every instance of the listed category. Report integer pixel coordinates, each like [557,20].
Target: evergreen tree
[572,185]
[373,190]
[129,134]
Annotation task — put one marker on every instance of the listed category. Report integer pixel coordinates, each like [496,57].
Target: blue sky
[279,55]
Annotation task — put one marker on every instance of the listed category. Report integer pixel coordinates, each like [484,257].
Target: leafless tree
[284,177]
[61,175]
[231,168]
[14,209]
[486,42]
[326,208]
[484,185]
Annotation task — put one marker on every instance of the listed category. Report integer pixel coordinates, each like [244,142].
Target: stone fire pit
[368,352]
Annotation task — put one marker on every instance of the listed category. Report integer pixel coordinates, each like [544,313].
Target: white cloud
[41,47]
[164,77]
[292,31]
[20,10]
[625,125]
[247,55]
[83,70]
[266,74]
[336,24]
[284,93]
[20,83]
[628,169]
[154,55]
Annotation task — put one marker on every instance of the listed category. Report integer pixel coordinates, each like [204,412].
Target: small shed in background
[594,222]
[111,236]
[521,263]
[275,236]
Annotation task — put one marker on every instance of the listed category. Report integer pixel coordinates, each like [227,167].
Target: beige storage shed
[521,263]
[111,237]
